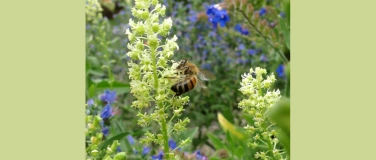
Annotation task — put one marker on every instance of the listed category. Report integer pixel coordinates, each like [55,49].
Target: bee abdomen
[185,86]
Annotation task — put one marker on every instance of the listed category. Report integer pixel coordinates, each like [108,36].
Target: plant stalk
[163,119]
[265,38]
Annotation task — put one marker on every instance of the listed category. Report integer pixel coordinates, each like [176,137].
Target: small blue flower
[105,131]
[108,96]
[130,139]
[90,102]
[282,14]
[238,53]
[172,143]
[106,112]
[262,11]
[280,70]
[253,43]
[159,156]
[263,58]
[199,156]
[241,29]
[146,150]
[241,47]
[118,149]
[251,52]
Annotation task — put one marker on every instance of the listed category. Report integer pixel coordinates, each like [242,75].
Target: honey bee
[188,78]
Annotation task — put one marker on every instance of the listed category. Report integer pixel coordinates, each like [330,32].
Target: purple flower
[106,112]
[241,46]
[263,58]
[130,139]
[90,102]
[251,52]
[199,156]
[159,156]
[108,96]
[280,70]
[172,143]
[146,150]
[241,29]
[262,11]
[105,131]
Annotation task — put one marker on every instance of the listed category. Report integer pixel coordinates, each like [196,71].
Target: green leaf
[112,139]
[95,72]
[94,61]
[91,92]
[119,87]
[227,113]
[189,133]
[280,115]
[114,40]
[285,31]
[216,141]
[287,88]
[239,152]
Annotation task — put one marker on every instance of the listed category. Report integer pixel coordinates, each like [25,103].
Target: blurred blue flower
[130,139]
[159,156]
[146,150]
[262,11]
[199,156]
[105,131]
[241,29]
[282,14]
[253,43]
[217,15]
[238,53]
[90,102]
[118,149]
[106,112]
[108,96]
[251,52]
[241,47]
[192,16]
[280,70]
[263,58]
[272,24]
[206,66]
[172,143]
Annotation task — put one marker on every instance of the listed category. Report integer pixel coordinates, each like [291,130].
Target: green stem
[163,119]
[265,38]
[107,55]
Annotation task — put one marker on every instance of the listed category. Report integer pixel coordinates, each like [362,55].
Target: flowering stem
[163,119]
[266,39]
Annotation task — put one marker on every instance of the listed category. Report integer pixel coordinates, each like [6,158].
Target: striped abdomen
[184,86]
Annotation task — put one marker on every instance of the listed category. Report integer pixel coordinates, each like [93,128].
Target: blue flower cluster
[217,15]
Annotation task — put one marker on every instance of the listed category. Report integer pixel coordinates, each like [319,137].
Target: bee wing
[203,87]
[206,75]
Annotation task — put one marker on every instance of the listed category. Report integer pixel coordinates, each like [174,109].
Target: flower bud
[120,156]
